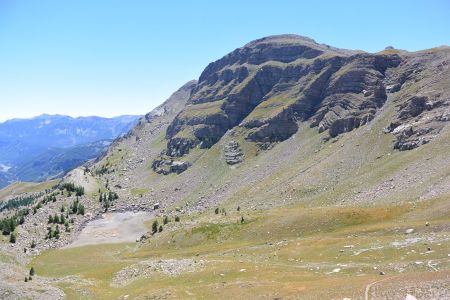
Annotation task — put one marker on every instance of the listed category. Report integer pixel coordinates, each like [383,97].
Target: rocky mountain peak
[266,88]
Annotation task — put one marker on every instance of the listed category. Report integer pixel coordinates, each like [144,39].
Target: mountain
[286,115]
[289,169]
[50,145]
[268,88]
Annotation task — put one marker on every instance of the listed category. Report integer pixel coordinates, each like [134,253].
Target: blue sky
[98,57]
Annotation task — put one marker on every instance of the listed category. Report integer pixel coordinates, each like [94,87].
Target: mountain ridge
[265,87]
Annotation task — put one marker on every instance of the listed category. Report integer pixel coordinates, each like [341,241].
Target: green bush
[12,238]
[155,226]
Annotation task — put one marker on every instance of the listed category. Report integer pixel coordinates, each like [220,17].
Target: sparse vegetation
[155,227]
[72,188]
[12,237]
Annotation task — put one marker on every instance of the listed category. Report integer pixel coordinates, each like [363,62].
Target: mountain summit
[263,91]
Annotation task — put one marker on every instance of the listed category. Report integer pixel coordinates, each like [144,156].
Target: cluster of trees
[8,225]
[107,199]
[49,198]
[72,188]
[76,208]
[18,202]
[53,233]
[158,228]
[56,219]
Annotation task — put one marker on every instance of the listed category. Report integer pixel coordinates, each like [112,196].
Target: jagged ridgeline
[265,90]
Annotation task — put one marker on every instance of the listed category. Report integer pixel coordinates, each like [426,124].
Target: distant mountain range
[48,146]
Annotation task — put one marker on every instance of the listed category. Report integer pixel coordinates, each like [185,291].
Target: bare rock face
[270,85]
[422,97]
[233,153]
[166,166]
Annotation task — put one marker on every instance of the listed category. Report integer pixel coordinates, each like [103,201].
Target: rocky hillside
[268,88]
[282,110]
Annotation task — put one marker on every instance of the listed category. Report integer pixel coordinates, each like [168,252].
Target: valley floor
[284,253]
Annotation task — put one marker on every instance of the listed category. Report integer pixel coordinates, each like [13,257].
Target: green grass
[278,252]
[202,110]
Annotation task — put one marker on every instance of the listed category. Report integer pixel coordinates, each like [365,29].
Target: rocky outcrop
[233,153]
[166,166]
[422,97]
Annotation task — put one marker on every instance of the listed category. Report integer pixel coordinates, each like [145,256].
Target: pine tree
[50,219]
[160,228]
[49,232]
[74,207]
[81,209]
[155,226]
[12,238]
[56,232]
[177,219]
[32,271]
[165,220]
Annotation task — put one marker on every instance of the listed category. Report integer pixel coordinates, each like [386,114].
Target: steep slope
[265,89]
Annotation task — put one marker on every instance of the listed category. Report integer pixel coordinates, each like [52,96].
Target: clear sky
[107,57]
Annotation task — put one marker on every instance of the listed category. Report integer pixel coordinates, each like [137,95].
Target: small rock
[337,270]
[410,297]
[382,273]
[409,231]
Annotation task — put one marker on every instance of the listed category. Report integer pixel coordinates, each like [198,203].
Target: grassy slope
[286,252]
[26,187]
